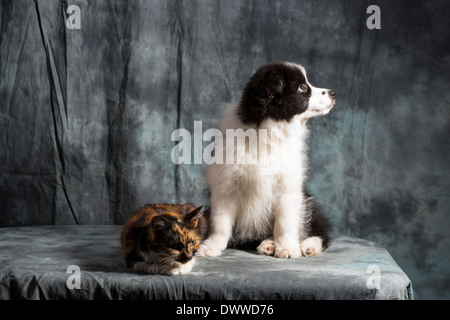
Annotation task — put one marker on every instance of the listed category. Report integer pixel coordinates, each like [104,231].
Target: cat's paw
[311,246]
[208,251]
[182,269]
[175,272]
[286,250]
[267,247]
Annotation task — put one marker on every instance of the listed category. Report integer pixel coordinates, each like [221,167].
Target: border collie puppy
[251,203]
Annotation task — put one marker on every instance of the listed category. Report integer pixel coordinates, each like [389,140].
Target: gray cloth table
[34,262]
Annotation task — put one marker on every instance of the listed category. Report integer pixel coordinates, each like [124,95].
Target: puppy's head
[281,91]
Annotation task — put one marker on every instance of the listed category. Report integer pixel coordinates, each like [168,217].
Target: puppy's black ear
[264,88]
[273,84]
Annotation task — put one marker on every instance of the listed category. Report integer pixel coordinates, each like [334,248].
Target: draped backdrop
[87,110]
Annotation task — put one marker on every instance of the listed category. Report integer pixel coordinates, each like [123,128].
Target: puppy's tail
[318,224]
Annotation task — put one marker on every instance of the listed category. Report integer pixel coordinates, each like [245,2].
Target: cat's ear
[160,223]
[192,217]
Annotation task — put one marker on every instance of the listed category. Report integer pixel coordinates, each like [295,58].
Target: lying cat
[163,238]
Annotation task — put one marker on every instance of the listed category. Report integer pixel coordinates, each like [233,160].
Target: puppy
[260,195]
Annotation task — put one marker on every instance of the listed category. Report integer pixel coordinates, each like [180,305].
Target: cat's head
[176,235]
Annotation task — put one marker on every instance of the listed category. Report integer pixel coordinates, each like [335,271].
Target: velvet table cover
[35,263]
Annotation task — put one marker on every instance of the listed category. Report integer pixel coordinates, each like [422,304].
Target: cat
[163,238]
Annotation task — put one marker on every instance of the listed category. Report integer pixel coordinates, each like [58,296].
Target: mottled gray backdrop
[86,116]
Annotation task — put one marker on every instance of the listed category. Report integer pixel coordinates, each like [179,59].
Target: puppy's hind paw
[311,246]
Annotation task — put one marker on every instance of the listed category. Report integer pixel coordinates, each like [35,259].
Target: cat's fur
[163,238]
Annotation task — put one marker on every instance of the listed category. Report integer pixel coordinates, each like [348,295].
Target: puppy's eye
[302,88]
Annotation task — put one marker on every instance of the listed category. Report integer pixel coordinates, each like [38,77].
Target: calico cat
[163,238]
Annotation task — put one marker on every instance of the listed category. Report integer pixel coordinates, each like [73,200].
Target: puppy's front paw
[208,251]
[286,251]
[311,246]
[267,247]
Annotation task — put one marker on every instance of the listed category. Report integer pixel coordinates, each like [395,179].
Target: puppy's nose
[332,94]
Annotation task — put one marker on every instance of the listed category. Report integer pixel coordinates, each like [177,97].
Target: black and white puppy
[250,202]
